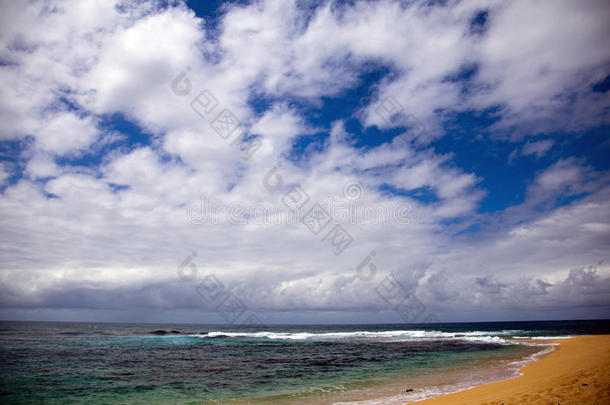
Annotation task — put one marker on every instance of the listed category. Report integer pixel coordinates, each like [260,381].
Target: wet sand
[578,372]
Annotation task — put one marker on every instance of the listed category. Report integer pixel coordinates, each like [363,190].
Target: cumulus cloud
[537,56]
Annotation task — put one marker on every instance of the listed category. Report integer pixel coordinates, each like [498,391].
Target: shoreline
[391,390]
[576,372]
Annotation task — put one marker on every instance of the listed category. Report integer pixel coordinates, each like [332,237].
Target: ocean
[114,363]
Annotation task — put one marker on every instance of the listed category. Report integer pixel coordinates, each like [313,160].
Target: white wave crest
[397,335]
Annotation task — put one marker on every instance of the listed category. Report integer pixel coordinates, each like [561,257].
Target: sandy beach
[578,372]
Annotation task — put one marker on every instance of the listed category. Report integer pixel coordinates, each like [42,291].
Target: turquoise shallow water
[74,363]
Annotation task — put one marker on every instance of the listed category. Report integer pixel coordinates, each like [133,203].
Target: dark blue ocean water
[105,363]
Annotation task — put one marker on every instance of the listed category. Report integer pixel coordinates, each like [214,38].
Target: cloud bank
[111,132]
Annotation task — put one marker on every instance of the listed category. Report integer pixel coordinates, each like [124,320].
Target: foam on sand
[577,373]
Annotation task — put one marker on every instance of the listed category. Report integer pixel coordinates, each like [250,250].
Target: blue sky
[464,142]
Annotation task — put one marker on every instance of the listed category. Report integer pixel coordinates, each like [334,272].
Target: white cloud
[41,165]
[4,174]
[539,148]
[66,133]
[280,126]
[541,59]
[566,177]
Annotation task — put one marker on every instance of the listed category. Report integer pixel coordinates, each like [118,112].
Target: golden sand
[578,372]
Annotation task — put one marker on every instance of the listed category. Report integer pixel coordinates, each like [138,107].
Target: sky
[282,161]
